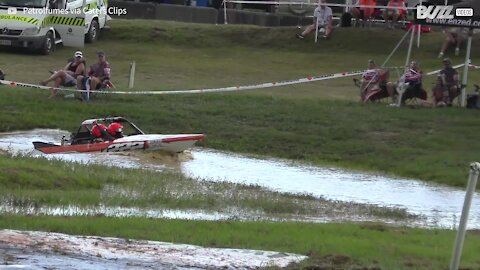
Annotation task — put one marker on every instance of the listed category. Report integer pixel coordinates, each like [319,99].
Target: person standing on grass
[395,12]
[324,16]
[68,76]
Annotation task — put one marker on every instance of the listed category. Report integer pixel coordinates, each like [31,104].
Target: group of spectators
[375,85]
[396,11]
[323,17]
[75,74]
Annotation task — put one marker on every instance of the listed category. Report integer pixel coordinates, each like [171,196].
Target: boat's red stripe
[76,148]
[185,138]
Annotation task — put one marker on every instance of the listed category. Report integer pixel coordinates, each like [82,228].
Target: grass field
[320,123]
[317,122]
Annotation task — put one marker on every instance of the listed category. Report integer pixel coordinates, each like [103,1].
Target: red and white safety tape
[215,90]
[198,91]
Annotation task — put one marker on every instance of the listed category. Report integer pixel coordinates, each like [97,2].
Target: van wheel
[48,44]
[93,32]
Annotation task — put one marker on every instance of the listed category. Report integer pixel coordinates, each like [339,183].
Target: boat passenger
[99,132]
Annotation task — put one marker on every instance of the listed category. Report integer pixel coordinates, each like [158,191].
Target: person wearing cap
[68,76]
[446,89]
[374,83]
[98,75]
[323,15]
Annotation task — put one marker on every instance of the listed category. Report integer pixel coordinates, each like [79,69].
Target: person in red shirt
[363,13]
[396,11]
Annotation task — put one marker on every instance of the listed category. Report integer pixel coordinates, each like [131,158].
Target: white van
[41,24]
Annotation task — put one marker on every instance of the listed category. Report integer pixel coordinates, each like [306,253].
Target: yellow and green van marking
[25,19]
[63,20]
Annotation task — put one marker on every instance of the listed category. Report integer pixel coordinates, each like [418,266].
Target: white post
[462,227]
[463,96]
[419,29]
[419,33]
[225,12]
[401,88]
[410,45]
[131,78]
[316,29]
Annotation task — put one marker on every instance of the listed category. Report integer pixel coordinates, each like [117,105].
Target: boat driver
[115,130]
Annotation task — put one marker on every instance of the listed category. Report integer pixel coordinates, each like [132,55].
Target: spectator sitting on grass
[454,37]
[323,15]
[395,12]
[413,76]
[98,75]
[374,84]
[446,89]
[363,13]
[68,76]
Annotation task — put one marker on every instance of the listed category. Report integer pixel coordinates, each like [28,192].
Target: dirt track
[41,250]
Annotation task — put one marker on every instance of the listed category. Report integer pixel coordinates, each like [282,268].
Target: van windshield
[24,3]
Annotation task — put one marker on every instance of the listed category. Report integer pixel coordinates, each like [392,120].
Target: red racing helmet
[96,130]
[115,129]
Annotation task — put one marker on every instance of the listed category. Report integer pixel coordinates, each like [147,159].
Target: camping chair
[376,95]
[413,94]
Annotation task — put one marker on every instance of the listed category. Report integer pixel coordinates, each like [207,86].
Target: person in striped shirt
[413,76]
[374,84]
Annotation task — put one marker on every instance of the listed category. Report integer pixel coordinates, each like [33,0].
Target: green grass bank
[320,123]
[368,245]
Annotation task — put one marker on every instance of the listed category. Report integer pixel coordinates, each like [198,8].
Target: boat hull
[154,142]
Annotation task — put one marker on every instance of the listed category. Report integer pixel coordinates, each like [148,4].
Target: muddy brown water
[440,205]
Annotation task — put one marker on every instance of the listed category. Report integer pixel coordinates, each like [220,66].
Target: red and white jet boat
[84,141]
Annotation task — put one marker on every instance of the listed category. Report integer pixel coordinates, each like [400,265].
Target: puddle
[440,205]
[42,250]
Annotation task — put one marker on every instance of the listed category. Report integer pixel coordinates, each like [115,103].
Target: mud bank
[41,250]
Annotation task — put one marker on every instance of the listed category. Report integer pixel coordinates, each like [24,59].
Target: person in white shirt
[323,15]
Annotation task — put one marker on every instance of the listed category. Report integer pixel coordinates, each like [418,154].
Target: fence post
[462,227]
[131,78]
